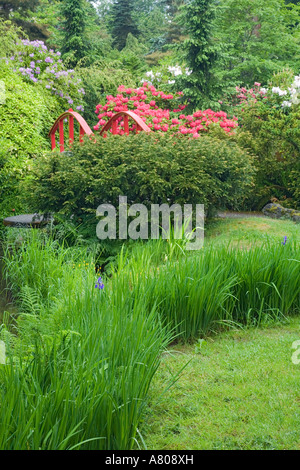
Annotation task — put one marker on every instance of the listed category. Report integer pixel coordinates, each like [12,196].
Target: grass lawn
[238,389]
[250,231]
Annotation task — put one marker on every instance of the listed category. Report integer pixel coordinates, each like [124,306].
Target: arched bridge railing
[123,118]
[119,119]
[70,115]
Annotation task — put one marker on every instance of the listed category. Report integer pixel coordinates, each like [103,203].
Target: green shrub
[148,169]
[10,34]
[26,115]
[269,128]
[273,136]
[32,96]
[100,80]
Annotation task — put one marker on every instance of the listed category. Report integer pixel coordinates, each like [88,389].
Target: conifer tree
[75,43]
[200,50]
[122,22]
[23,14]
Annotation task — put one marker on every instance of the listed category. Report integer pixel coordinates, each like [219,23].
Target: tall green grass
[81,360]
[269,282]
[78,373]
[217,285]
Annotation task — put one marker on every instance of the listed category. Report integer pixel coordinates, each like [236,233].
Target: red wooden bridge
[121,118]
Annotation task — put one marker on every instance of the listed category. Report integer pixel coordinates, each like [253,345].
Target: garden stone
[276,211]
[27,220]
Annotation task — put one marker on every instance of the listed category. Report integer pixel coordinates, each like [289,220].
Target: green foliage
[132,55]
[100,80]
[174,27]
[75,45]
[152,26]
[147,169]
[218,284]
[83,376]
[26,113]
[273,137]
[259,38]
[83,360]
[22,14]
[122,22]
[28,107]
[10,35]
[201,51]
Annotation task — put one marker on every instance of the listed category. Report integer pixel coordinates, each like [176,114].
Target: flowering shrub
[38,64]
[293,93]
[161,112]
[275,96]
[269,127]
[244,96]
[168,76]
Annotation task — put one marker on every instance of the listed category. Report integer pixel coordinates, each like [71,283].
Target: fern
[30,300]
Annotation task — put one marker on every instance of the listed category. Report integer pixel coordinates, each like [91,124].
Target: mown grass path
[240,390]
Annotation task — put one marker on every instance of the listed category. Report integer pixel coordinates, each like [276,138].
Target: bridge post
[61,135]
[126,125]
[71,129]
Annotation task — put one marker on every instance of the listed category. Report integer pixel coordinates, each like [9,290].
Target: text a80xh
[172,459]
[153,459]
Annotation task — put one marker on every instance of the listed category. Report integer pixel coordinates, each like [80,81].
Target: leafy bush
[100,80]
[259,38]
[155,168]
[26,114]
[37,88]
[275,139]
[34,87]
[269,122]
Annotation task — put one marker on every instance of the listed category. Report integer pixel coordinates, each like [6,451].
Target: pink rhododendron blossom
[163,114]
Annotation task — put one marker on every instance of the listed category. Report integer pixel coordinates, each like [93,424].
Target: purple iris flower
[99,284]
[284,240]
